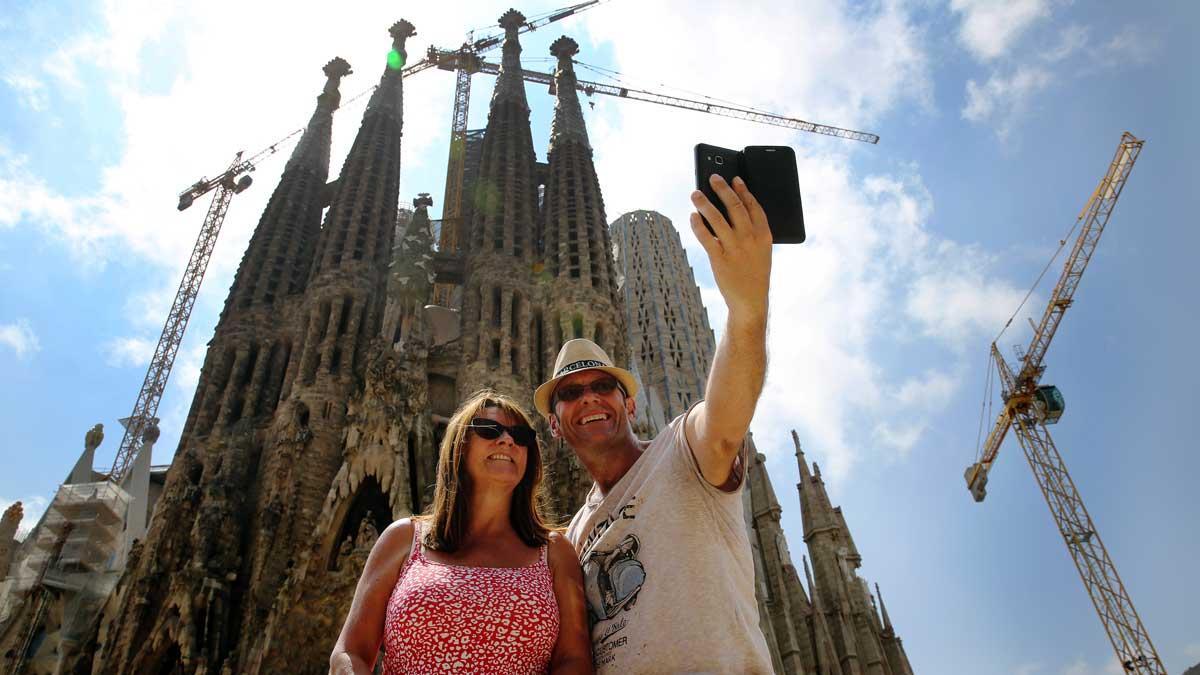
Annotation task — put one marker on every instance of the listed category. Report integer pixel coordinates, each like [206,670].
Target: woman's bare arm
[358,645]
[573,650]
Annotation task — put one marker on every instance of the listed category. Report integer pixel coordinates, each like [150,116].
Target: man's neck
[608,464]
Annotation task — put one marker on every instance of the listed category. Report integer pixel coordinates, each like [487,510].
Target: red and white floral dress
[445,618]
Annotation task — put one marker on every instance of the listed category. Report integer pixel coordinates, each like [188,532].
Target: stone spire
[276,262]
[244,369]
[816,512]
[893,647]
[410,277]
[827,655]
[358,226]
[887,621]
[506,199]
[786,604]
[500,297]
[576,238]
[510,84]
[577,243]
[568,116]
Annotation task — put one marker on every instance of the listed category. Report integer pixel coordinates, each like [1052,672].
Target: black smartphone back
[725,163]
[770,174]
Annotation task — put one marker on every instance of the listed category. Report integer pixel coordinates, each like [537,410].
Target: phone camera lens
[719,160]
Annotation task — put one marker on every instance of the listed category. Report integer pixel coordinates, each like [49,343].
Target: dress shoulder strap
[414,553]
[543,560]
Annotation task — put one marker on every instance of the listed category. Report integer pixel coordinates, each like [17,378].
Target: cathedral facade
[330,377]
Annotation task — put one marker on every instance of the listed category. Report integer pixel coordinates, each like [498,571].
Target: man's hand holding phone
[738,248]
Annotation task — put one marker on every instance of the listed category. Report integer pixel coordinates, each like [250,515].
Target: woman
[479,583]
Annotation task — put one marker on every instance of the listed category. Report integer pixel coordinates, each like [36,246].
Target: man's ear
[630,407]
[554,430]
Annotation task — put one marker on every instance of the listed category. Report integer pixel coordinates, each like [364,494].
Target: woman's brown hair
[446,517]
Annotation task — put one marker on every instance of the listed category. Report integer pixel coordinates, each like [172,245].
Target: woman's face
[500,461]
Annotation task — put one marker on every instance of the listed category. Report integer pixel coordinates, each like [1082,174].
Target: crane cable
[989,384]
[1062,243]
[985,407]
[617,77]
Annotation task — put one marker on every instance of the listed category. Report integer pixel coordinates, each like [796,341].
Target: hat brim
[541,397]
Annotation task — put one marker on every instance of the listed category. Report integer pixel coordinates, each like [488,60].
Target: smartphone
[770,175]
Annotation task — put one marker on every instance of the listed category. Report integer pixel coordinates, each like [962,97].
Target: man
[668,571]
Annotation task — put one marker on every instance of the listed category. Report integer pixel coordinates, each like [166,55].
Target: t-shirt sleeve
[737,478]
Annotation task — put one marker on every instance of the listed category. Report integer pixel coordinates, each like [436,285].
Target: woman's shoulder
[560,550]
[397,538]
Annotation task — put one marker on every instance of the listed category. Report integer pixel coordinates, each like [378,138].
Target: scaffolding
[75,558]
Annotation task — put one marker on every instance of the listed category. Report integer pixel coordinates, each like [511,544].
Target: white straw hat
[576,355]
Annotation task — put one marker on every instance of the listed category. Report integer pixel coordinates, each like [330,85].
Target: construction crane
[1030,406]
[464,61]
[230,182]
[467,60]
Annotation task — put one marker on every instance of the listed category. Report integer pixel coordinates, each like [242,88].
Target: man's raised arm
[740,255]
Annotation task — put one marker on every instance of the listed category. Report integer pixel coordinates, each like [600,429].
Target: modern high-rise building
[332,373]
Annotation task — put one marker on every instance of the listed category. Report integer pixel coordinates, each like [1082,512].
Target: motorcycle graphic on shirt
[612,579]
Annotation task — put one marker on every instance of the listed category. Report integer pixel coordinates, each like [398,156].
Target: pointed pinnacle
[887,622]
[800,459]
[511,20]
[812,589]
[564,48]
[401,31]
[337,68]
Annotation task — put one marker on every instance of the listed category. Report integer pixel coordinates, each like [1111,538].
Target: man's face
[592,419]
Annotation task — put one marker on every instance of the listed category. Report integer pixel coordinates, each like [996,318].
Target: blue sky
[997,120]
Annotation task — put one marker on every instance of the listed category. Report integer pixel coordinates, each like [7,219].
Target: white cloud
[1132,45]
[1077,667]
[1003,99]
[955,298]
[1071,39]
[1007,95]
[1081,666]
[990,28]
[31,92]
[838,298]
[19,336]
[1028,669]
[842,299]
[129,351]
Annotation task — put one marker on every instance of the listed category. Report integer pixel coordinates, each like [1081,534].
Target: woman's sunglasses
[490,430]
[602,387]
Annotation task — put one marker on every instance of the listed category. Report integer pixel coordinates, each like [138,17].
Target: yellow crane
[467,60]
[1029,406]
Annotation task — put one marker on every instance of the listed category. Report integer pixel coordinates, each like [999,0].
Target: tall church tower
[244,368]
[577,247]
[849,612]
[247,486]
[317,417]
[499,290]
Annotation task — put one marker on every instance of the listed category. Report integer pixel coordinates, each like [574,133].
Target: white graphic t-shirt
[667,569]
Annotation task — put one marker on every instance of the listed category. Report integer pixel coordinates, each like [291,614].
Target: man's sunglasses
[601,387]
[490,430]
